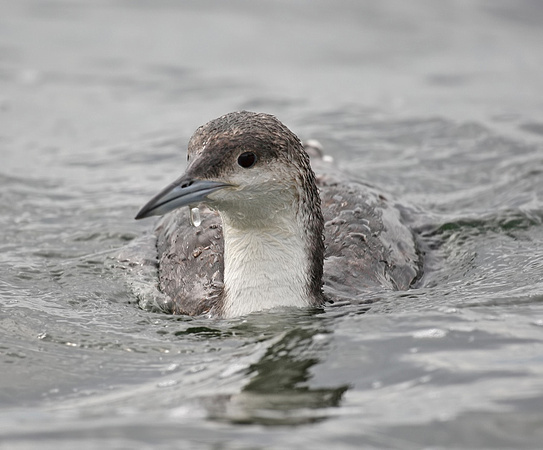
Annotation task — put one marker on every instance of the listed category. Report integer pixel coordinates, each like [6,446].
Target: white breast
[264,268]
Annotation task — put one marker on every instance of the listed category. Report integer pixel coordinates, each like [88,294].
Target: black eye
[247,160]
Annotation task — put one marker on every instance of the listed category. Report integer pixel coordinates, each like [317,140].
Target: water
[438,103]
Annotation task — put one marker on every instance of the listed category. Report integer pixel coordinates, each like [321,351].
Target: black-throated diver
[269,239]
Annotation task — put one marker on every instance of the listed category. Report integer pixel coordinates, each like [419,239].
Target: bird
[270,233]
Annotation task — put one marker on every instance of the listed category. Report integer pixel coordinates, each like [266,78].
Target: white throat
[264,267]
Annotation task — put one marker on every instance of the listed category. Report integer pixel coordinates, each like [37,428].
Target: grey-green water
[439,103]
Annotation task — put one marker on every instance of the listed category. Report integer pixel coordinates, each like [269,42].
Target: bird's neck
[266,265]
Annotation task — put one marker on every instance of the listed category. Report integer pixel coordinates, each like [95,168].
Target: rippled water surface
[438,103]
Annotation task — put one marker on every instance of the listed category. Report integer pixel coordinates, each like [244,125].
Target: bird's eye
[247,160]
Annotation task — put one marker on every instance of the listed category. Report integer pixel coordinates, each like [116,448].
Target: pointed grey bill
[182,192]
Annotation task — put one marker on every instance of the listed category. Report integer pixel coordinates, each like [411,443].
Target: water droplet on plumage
[195,219]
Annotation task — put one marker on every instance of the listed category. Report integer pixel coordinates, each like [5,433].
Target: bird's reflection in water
[279,390]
